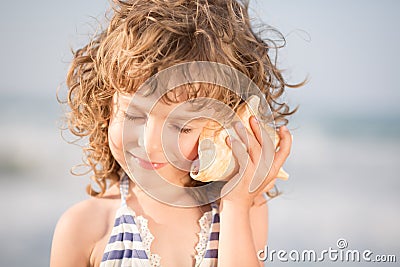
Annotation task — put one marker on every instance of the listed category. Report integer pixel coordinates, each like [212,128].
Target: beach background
[344,166]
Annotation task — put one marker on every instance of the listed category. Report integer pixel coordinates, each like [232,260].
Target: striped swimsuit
[130,240]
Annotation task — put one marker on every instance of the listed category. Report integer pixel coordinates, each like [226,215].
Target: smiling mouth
[148,165]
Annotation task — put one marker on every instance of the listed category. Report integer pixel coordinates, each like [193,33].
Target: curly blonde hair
[144,37]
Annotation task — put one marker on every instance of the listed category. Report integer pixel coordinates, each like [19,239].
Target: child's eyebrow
[186,116]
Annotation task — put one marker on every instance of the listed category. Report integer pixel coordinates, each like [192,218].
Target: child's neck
[163,192]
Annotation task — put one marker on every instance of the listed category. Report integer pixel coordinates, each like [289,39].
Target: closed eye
[181,129]
[133,117]
[137,118]
[185,130]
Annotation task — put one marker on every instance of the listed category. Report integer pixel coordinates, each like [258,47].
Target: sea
[342,194]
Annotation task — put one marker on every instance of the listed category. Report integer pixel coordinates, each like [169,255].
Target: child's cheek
[115,140]
[188,147]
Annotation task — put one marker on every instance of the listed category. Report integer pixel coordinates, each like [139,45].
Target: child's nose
[152,136]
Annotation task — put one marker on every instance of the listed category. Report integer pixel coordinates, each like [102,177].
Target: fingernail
[283,128]
[256,119]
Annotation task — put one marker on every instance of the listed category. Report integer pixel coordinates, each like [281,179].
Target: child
[128,222]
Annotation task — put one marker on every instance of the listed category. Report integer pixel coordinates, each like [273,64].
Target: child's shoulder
[85,223]
[87,211]
[92,212]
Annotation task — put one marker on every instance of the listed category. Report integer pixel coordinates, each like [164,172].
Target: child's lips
[148,165]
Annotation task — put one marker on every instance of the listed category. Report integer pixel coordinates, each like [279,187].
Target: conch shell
[215,161]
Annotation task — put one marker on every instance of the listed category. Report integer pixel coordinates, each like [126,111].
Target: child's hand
[258,162]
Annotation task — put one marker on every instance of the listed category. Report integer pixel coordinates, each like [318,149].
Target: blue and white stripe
[126,248]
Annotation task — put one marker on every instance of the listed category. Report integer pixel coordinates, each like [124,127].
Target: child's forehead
[145,101]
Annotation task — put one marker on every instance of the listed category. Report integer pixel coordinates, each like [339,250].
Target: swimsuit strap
[124,188]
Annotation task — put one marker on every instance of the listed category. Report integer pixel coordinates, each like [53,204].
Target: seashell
[215,160]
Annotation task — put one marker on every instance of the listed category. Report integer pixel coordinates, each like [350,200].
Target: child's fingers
[238,150]
[280,156]
[241,131]
[275,160]
[263,139]
[255,126]
[249,140]
[265,159]
[285,144]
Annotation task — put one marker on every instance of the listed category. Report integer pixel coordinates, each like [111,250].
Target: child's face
[164,140]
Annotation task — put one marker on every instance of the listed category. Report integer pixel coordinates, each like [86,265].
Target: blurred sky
[344,163]
[352,56]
